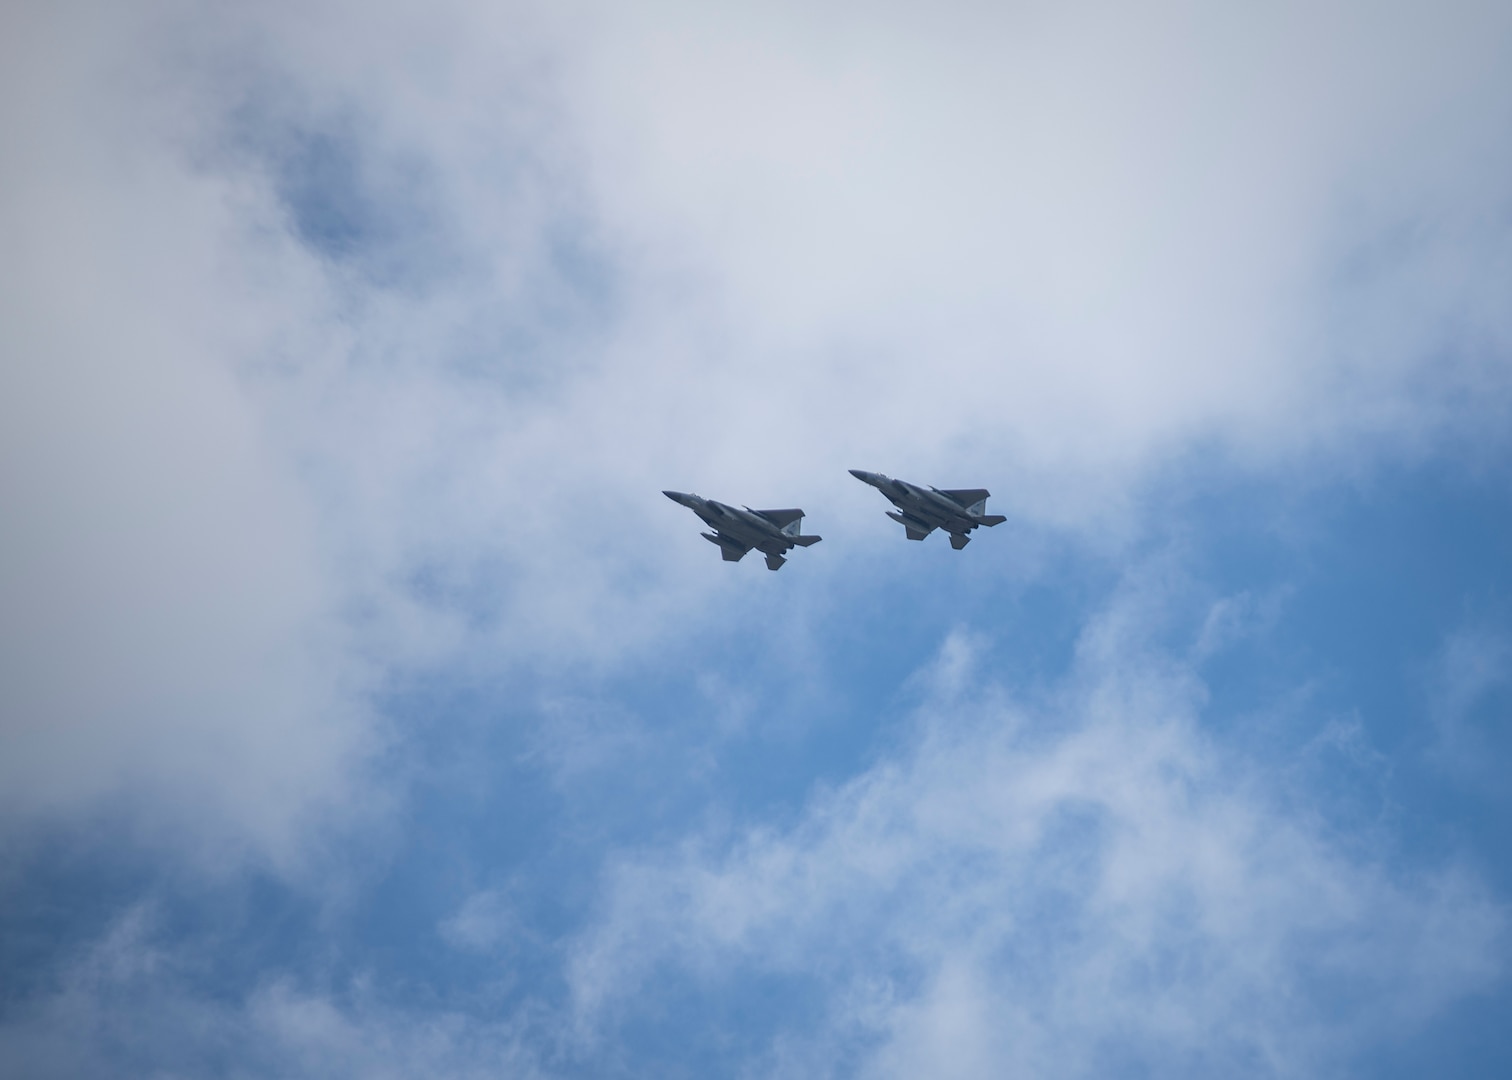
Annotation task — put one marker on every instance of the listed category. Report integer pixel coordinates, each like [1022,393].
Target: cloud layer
[345,350]
[321,323]
[1064,888]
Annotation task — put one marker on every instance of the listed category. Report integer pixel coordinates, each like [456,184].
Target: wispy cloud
[1470,717]
[1053,890]
[135,1001]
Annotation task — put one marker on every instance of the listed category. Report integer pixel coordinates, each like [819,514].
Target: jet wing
[971,498]
[729,550]
[786,520]
[916,529]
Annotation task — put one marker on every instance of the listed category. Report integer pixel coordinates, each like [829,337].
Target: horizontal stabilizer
[991,519]
[729,550]
[805,541]
[959,540]
[774,562]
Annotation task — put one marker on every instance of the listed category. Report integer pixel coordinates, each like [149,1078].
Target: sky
[366,711]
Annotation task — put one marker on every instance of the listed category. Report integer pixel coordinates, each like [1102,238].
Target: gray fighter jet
[772,532]
[922,510]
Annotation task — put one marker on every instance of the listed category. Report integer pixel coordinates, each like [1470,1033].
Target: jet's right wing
[913,527]
[729,550]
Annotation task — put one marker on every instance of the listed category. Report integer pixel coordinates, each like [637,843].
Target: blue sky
[367,711]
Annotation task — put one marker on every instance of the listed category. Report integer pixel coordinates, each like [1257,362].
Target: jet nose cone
[863,475]
[679,497]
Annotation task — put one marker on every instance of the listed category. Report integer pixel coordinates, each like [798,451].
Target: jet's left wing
[729,550]
[973,499]
[786,520]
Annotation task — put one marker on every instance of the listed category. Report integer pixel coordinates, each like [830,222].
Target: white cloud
[1072,238]
[1470,721]
[1234,618]
[611,250]
[165,618]
[486,922]
[131,1003]
[1047,889]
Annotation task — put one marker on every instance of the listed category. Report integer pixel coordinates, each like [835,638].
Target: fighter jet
[922,510]
[772,532]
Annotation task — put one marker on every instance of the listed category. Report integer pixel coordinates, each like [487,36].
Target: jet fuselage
[740,529]
[921,510]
